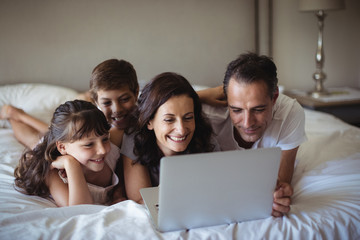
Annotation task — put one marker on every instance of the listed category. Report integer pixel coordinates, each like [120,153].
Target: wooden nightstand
[348,110]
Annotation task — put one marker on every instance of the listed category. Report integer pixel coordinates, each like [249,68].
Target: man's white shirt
[286,129]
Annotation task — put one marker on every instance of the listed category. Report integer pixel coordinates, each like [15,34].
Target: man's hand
[282,199]
[213,96]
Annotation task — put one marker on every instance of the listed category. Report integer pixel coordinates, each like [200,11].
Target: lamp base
[319,94]
[319,90]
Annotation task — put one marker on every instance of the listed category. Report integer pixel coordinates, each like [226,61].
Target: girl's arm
[76,190]
[136,176]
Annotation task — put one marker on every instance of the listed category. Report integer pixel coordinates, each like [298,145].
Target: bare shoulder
[116,136]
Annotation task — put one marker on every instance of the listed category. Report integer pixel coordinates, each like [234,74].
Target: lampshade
[315,5]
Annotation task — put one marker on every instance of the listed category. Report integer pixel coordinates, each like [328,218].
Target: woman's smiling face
[174,124]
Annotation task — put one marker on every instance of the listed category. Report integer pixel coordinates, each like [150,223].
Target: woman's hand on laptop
[282,199]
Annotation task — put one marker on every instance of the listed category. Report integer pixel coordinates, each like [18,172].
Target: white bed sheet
[326,202]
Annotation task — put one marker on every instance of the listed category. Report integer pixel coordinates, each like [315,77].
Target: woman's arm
[119,191]
[76,190]
[136,176]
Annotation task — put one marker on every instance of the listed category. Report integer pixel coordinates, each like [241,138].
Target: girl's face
[174,124]
[89,151]
[116,105]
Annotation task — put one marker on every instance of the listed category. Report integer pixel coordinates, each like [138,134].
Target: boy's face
[117,105]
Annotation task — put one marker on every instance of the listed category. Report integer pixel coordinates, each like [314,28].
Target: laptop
[206,189]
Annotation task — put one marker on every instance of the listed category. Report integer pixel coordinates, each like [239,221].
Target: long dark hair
[71,121]
[154,94]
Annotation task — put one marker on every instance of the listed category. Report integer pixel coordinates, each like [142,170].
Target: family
[105,146]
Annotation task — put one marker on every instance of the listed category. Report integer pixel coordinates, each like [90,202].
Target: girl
[114,89]
[74,163]
[169,122]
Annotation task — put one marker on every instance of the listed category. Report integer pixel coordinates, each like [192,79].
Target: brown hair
[71,121]
[113,74]
[154,94]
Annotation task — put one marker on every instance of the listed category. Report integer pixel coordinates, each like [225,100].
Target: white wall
[62,41]
[295,41]
[52,41]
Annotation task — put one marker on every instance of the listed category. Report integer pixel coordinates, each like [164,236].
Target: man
[257,116]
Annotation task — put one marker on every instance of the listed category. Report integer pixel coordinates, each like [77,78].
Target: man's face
[250,109]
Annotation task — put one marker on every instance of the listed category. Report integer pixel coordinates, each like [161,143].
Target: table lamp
[319,7]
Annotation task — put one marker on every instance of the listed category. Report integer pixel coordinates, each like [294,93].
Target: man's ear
[61,147]
[150,125]
[275,95]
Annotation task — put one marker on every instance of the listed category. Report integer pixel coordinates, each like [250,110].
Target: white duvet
[326,201]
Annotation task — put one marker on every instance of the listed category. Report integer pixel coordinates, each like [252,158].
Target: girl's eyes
[88,145]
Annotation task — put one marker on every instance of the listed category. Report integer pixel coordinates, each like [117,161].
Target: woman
[169,121]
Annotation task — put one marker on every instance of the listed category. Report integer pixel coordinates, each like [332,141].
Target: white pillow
[36,99]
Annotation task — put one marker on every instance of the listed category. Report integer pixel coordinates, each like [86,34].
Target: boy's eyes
[121,100]
[106,103]
[124,99]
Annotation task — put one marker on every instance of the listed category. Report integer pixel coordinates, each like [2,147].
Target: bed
[326,201]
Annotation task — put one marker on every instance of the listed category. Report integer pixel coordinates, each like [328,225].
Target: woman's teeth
[177,138]
[118,118]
